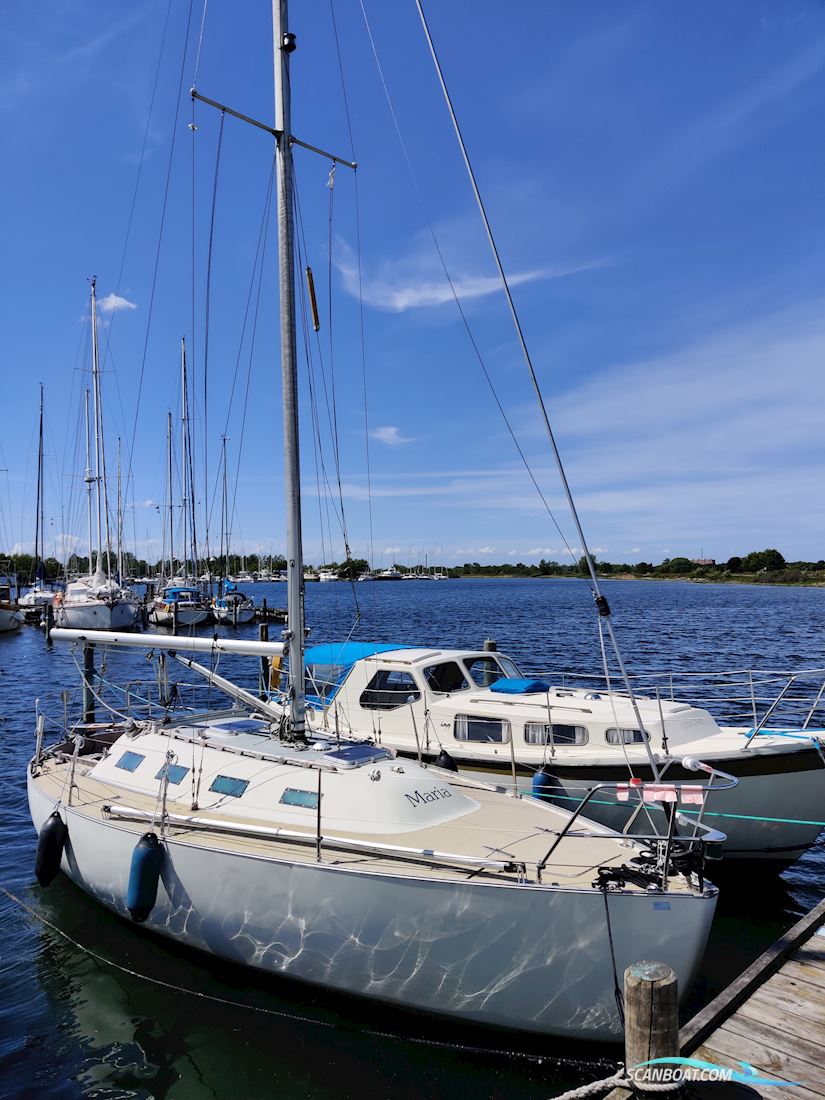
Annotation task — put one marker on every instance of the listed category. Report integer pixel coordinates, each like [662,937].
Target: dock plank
[786,1041]
[757,975]
[772,1016]
[727,1048]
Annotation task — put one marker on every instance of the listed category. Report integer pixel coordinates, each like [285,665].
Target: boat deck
[501,829]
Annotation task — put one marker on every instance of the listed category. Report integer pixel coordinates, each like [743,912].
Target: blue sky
[654,174]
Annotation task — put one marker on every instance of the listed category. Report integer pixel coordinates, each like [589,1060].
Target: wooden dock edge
[694,1033]
[704,1023]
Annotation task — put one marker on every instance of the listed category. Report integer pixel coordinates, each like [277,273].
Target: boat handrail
[638,786]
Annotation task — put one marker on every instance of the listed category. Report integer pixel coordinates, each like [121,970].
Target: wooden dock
[772,1016]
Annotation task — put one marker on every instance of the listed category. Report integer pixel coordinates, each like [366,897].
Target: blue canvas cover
[510,685]
[331,665]
[345,653]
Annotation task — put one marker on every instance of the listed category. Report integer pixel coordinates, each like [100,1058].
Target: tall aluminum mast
[171,503]
[283,46]
[184,500]
[98,471]
[89,479]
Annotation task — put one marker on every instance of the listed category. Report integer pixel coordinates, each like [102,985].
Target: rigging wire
[600,600]
[141,159]
[260,246]
[206,318]
[451,284]
[331,405]
[253,334]
[160,238]
[359,267]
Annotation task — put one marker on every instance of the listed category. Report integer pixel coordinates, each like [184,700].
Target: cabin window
[228,784]
[444,678]
[130,761]
[483,670]
[541,733]
[511,669]
[469,727]
[389,688]
[626,737]
[308,800]
[176,772]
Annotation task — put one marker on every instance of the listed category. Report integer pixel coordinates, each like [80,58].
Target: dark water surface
[170,1023]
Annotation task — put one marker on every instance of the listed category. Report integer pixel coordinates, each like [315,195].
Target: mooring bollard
[651,1026]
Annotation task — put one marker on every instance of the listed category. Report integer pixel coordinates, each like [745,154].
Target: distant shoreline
[750,579]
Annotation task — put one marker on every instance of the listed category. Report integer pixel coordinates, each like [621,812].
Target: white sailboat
[181,602]
[41,594]
[250,837]
[97,601]
[230,606]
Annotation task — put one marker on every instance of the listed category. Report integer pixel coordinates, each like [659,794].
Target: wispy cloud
[415,281]
[40,66]
[113,303]
[747,113]
[391,435]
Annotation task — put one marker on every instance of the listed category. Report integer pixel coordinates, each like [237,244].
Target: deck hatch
[175,772]
[307,800]
[130,761]
[228,784]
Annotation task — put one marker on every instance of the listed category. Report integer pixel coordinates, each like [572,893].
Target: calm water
[72,1025]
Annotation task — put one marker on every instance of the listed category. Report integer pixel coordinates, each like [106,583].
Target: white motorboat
[478,707]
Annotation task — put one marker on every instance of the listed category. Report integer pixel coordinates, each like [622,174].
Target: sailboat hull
[189,616]
[9,620]
[481,953]
[240,617]
[97,615]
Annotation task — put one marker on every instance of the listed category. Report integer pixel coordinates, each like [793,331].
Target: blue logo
[672,1070]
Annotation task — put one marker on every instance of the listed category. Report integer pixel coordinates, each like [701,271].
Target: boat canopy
[327,666]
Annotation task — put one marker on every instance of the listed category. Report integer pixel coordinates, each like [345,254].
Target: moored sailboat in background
[97,601]
[181,601]
[41,594]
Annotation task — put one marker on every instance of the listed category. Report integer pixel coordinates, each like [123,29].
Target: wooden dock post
[174,617]
[48,619]
[651,1006]
[88,680]
[263,635]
